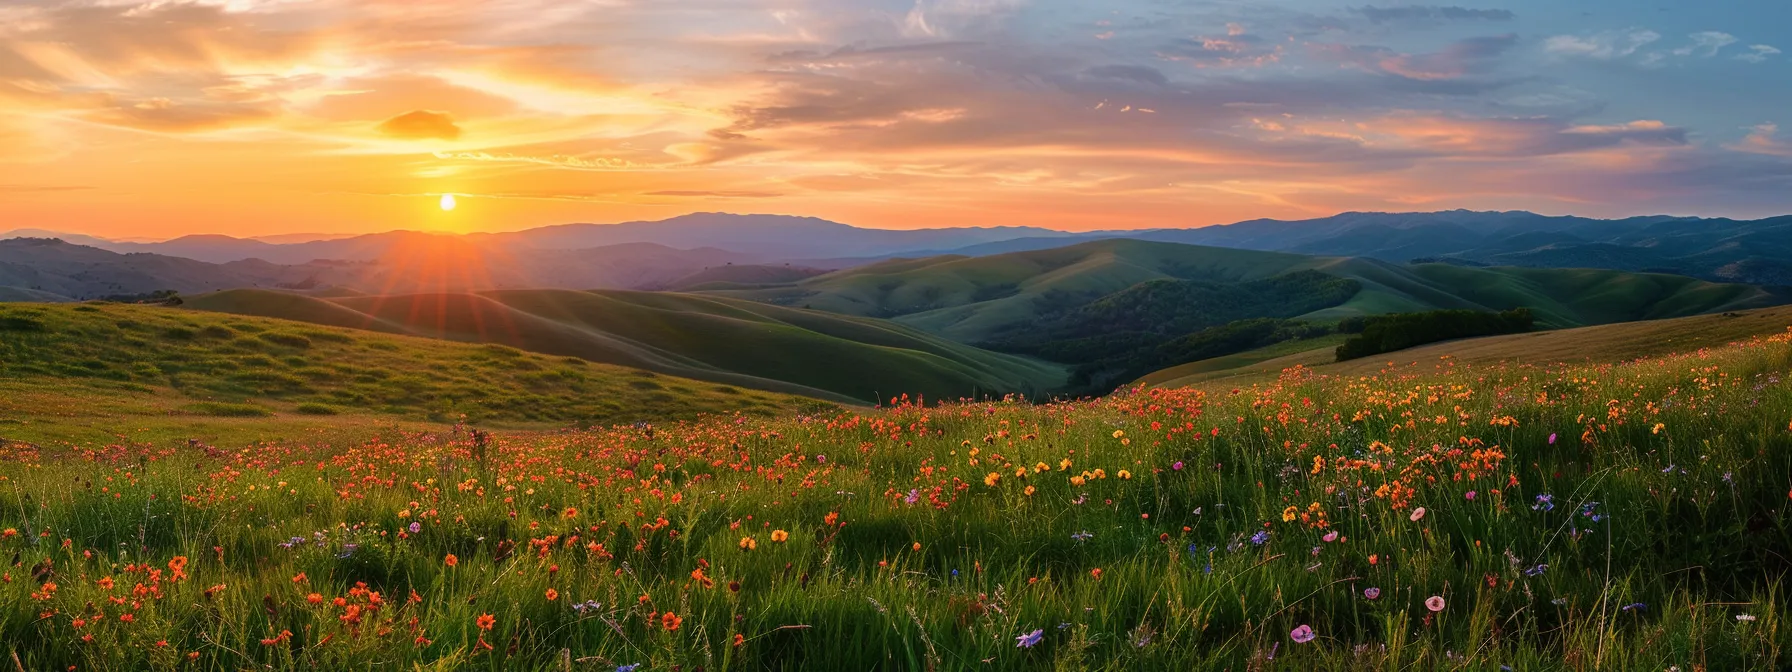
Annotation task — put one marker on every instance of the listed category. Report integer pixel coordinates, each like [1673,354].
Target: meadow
[1448,515]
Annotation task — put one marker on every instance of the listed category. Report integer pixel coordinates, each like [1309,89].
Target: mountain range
[1747,251]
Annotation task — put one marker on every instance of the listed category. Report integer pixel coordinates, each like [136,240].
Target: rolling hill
[730,341]
[201,364]
[1599,344]
[972,299]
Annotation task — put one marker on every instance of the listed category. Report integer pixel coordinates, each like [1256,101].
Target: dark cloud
[1433,13]
[1131,73]
[421,125]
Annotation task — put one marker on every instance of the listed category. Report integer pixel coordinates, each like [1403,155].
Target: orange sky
[251,117]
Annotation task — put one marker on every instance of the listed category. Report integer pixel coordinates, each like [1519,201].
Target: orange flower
[298,578]
[748,543]
[451,561]
[670,621]
[779,536]
[314,598]
[486,621]
[739,640]
[917,546]
[1095,572]
[553,594]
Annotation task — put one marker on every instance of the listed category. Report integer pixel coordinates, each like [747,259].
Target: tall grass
[1618,517]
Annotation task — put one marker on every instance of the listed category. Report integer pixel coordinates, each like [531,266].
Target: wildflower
[992,479]
[780,536]
[1537,571]
[1545,502]
[296,578]
[1124,475]
[1330,536]
[1096,573]
[1260,538]
[739,640]
[670,621]
[314,598]
[569,513]
[415,527]
[552,594]
[1082,536]
[1634,605]
[1552,438]
[1176,466]
[486,621]
[451,560]
[1745,618]
[1371,592]
[1302,634]
[1435,603]
[1118,433]
[748,543]
[1417,514]
[916,547]
[627,668]
[1029,640]
[1028,491]
[1470,495]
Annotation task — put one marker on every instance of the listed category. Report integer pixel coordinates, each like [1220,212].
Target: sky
[152,119]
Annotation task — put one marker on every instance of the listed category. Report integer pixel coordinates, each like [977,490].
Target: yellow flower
[1041,467]
[1064,464]
[1124,475]
[779,536]
[1076,480]
[1657,428]
[1118,433]
[748,543]
[1101,473]
[1288,514]
[992,479]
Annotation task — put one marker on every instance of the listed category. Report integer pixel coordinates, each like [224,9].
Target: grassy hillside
[1469,519]
[208,364]
[972,299]
[1599,344]
[724,340]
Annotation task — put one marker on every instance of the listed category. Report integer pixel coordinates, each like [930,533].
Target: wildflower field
[1433,516]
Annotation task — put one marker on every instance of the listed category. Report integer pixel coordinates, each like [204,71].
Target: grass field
[971,299]
[1472,517]
[837,357]
[157,363]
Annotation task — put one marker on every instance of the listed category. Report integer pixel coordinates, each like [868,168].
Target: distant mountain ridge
[1719,249]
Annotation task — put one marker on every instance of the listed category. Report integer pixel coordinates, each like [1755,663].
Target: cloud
[421,125]
[1235,48]
[698,193]
[1764,139]
[1432,13]
[1132,73]
[1465,57]
[1604,46]
[1758,53]
[1706,43]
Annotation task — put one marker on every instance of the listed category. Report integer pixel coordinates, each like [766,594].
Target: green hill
[197,363]
[731,341]
[1600,344]
[973,299]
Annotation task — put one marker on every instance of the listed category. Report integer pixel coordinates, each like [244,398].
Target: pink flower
[1371,592]
[1435,603]
[1470,495]
[1302,634]
[1417,514]
[1330,536]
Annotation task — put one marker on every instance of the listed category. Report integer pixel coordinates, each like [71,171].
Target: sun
[447,202]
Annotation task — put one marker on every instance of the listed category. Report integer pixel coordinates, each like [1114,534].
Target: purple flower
[1029,640]
[1552,438]
[1302,634]
[1177,466]
[1371,592]
[821,459]
[1470,495]
[1634,605]
[416,527]
[1537,571]
[1260,538]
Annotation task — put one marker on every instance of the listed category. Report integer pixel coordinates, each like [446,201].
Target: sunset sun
[447,202]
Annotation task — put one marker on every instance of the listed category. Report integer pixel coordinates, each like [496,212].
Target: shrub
[1387,333]
[18,323]
[227,410]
